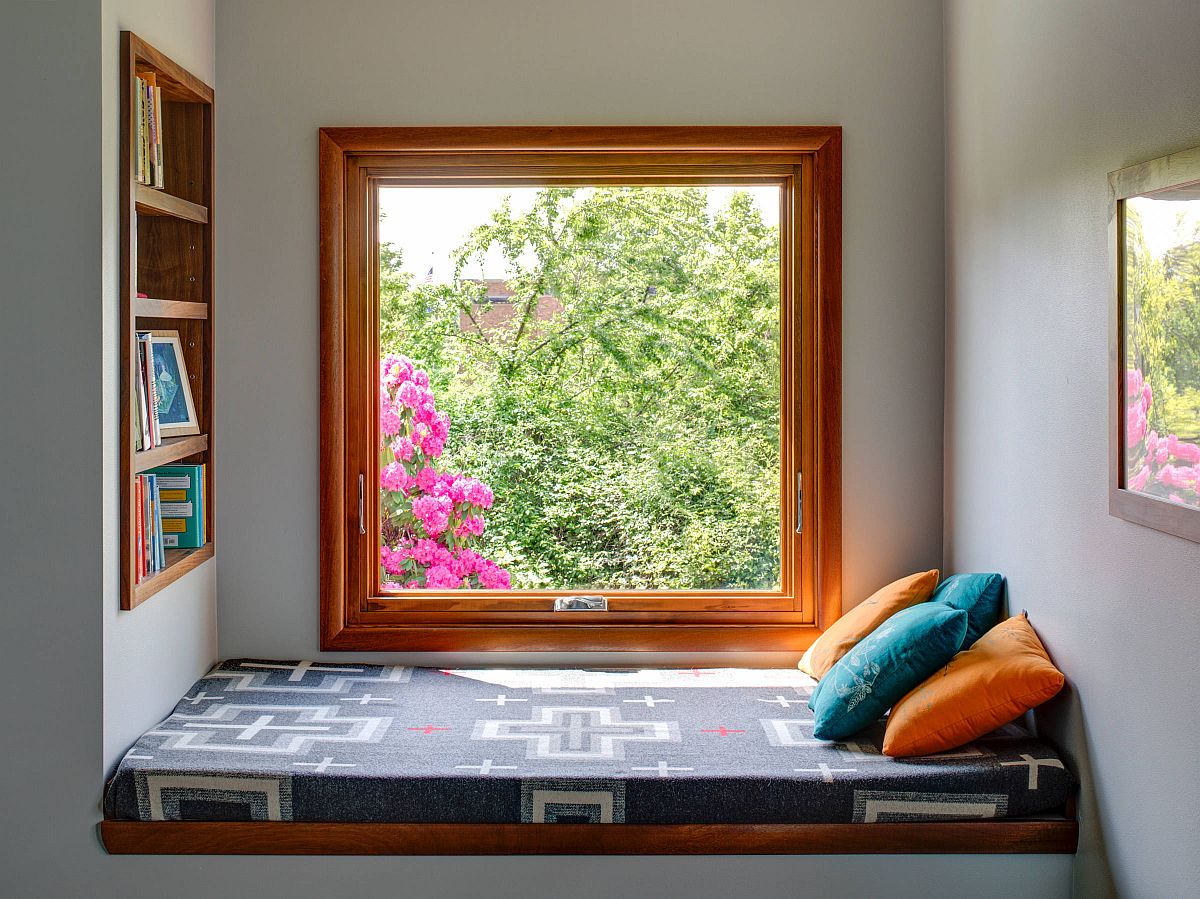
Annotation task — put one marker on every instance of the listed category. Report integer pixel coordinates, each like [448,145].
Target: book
[159,551]
[139,158]
[138,443]
[146,377]
[148,567]
[149,161]
[180,489]
[159,168]
[139,529]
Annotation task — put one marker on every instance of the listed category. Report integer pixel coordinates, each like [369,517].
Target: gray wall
[286,68]
[50,422]
[1043,100]
[874,68]
[153,653]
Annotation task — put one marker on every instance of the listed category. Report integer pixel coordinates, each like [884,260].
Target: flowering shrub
[1165,467]
[431,518]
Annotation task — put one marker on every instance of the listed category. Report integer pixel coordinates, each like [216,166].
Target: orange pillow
[1005,673]
[845,633]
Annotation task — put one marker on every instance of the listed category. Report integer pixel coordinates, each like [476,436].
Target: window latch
[799,503]
[581,604]
[362,523]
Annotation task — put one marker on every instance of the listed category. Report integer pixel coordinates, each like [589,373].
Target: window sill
[666,636]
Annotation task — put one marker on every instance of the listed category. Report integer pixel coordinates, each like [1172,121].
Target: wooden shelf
[148,307]
[172,449]
[179,563]
[157,202]
[166,243]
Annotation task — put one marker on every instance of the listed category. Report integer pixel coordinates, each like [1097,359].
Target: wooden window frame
[355,615]
[1179,170]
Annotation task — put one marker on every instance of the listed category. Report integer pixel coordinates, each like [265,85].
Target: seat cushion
[349,742]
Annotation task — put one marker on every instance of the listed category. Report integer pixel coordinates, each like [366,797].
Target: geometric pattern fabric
[316,741]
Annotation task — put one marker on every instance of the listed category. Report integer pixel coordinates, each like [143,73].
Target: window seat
[308,757]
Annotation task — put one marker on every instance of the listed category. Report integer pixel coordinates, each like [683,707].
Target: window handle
[799,503]
[362,524]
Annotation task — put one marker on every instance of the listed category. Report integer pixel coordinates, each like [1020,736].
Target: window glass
[580,387]
[1162,346]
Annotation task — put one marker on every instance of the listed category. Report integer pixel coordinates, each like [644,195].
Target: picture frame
[176,408]
[1154,344]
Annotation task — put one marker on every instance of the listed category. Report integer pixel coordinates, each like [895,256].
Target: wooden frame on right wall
[1154,344]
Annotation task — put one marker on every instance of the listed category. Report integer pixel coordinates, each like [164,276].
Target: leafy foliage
[624,405]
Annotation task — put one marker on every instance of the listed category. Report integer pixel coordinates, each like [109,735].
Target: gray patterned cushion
[317,741]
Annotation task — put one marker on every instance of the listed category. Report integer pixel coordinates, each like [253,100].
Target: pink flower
[395,479]
[472,525]
[1135,425]
[1133,383]
[467,562]
[427,478]
[1147,397]
[403,448]
[425,551]
[1138,481]
[393,559]
[1184,452]
[440,425]
[433,512]
[445,505]
[439,577]
[478,493]
[492,576]
[409,395]
[389,422]
[1176,476]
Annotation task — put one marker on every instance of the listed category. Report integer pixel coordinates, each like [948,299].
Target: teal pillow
[979,595]
[875,674]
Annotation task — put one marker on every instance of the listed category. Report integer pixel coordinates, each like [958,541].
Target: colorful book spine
[146,379]
[139,164]
[139,528]
[159,168]
[181,491]
[159,550]
[146,520]
[148,166]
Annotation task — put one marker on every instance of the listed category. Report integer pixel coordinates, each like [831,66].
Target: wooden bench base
[300,838]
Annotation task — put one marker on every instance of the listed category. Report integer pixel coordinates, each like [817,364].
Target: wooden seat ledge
[1041,835]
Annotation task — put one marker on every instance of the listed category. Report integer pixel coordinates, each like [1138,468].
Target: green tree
[1163,325]
[629,426]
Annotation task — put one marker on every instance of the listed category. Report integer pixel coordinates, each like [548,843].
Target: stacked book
[148,164]
[146,431]
[169,504]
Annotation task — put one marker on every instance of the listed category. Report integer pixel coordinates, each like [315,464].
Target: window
[579,361]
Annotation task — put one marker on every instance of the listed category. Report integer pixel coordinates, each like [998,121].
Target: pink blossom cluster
[1166,467]
[431,518]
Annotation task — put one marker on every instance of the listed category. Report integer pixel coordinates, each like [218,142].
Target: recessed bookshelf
[166,286]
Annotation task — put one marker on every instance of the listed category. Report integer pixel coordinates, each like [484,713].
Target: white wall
[1043,100]
[287,68]
[155,652]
